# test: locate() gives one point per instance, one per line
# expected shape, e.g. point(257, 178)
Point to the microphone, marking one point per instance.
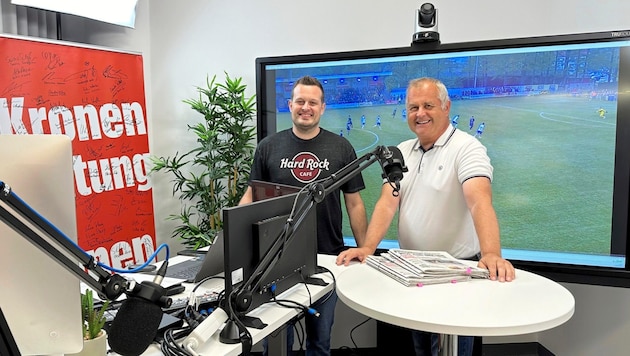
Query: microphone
point(393, 166)
point(138, 319)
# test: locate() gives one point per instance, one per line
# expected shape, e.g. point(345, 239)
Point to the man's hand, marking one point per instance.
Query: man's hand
point(359, 253)
point(500, 268)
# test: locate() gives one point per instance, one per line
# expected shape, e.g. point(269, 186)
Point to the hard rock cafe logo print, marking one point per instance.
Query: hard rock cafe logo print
point(305, 166)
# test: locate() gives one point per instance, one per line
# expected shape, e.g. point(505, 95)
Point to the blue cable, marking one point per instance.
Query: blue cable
point(139, 268)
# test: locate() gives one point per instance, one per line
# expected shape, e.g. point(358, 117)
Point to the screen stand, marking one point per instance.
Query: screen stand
point(252, 322)
point(230, 333)
point(315, 281)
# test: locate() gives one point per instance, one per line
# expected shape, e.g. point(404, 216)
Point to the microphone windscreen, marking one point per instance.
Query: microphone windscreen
point(134, 327)
point(395, 166)
point(396, 154)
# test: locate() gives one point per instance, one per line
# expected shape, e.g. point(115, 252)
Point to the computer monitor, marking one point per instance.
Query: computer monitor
point(262, 190)
point(248, 232)
point(40, 299)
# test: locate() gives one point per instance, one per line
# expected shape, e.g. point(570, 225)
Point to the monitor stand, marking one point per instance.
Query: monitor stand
point(315, 281)
point(230, 334)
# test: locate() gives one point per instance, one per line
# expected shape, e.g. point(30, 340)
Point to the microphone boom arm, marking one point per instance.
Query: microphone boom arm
point(315, 194)
point(127, 336)
point(58, 246)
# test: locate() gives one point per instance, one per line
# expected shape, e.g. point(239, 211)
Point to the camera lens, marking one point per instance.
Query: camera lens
point(427, 12)
point(427, 8)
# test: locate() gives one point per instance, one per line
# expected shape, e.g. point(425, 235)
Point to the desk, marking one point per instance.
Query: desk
point(275, 316)
point(531, 303)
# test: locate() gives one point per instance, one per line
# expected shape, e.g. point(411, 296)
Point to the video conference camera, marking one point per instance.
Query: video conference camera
point(426, 27)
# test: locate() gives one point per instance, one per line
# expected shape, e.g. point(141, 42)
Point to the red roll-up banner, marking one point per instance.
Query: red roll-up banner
point(96, 97)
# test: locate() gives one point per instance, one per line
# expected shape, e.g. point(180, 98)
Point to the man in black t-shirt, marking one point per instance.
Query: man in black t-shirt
point(301, 155)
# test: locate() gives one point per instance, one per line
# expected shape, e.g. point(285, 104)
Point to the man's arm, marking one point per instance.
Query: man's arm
point(357, 215)
point(382, 217)
point(478, 194)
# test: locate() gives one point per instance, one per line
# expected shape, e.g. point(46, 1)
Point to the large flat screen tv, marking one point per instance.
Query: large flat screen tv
point(556, 111)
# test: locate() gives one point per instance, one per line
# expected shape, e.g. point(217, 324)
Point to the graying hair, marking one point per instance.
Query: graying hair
point(442, 91)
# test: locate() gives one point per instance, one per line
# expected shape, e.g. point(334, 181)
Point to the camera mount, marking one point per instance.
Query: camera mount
point(426, 27)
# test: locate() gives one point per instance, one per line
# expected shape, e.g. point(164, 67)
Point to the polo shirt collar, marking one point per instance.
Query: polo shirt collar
point(441, 141)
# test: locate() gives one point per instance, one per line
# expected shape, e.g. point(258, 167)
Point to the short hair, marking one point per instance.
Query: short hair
point(308, 80)
point(442, 91)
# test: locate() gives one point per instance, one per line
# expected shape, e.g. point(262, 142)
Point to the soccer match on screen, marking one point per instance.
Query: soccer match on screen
point(547, 117)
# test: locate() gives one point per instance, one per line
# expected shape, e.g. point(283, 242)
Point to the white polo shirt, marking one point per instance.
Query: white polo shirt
point(433, 214)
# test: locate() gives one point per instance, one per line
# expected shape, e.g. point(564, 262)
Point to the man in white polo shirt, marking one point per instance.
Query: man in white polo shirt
point(445, 200)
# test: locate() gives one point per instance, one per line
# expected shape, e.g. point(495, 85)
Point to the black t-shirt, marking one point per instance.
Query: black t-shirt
point(286, 159)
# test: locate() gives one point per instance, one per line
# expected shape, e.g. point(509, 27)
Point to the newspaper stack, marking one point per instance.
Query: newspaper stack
point(417, 268)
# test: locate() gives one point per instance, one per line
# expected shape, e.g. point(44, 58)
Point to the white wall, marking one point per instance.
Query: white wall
point(183, 41)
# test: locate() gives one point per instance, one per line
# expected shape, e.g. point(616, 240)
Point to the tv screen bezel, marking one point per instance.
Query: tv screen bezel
point(583, 274)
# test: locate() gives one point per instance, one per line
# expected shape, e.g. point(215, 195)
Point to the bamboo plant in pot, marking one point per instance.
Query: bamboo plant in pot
point(214, 173)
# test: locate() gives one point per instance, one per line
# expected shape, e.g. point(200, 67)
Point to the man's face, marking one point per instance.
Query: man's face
point(425, 115)
point(306, 107)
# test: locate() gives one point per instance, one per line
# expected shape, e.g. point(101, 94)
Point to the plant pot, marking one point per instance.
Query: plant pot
point(94, 347)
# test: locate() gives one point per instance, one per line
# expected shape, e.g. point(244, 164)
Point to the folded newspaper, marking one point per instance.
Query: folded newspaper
point(417, 268)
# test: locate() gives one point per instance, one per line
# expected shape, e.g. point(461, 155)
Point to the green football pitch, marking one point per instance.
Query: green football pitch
point(553, 158)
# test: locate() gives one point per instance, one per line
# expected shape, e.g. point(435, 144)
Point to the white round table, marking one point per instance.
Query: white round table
point(530, 303)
